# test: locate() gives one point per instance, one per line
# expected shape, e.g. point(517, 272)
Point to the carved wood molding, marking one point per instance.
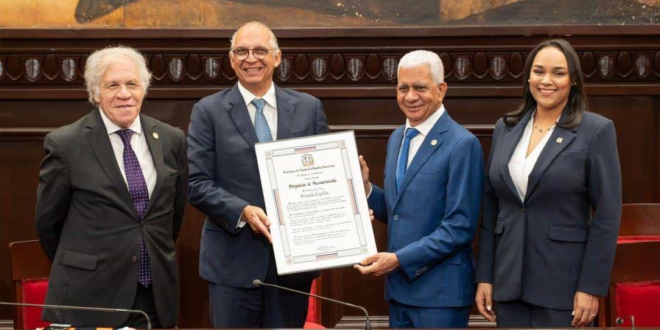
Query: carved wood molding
point(361, 131)
point(329, 68)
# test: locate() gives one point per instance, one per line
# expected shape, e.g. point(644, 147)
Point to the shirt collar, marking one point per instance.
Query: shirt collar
point(426, 126)
point(530, 123)
point(269, 97)
point(136, 126)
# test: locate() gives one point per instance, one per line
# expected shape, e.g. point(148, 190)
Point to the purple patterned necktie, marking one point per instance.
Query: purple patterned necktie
point(137, 187)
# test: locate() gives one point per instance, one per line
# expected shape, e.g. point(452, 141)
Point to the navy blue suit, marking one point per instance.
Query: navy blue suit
point(432, 221)
point(224, 179)
point(562, 238)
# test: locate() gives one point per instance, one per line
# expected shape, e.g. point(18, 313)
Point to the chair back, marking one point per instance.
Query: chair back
point(634, 286)
point(30, 269)
point(640, 222)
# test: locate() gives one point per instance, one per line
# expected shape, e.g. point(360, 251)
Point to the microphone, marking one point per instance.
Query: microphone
point(367, 325)
point(80, 308)
point(619, 320)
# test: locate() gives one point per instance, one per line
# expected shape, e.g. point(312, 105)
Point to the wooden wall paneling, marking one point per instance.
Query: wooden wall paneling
point(656, 147)
point(193, 291)
point(18, 181)
point(633, 120)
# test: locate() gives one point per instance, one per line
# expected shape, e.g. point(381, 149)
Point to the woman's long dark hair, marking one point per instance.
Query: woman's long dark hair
point(577, 99)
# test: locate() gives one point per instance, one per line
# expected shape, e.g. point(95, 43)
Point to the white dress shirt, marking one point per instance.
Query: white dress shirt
point(270, 110)
point(521, 165)
point(424, 128)
point(140, 147)
point(415, 143)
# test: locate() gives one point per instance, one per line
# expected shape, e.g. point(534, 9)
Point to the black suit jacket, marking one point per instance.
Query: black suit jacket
point(562, 238)
point(224, 178)
point(89, 228)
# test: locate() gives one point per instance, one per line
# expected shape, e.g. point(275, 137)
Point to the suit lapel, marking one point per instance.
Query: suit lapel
point(426, 150)
point(151, 131)
point(390, 163)
point(559, 140)
point(241, 117)
point(285, 110)
point(510, 141)
point(97, 135)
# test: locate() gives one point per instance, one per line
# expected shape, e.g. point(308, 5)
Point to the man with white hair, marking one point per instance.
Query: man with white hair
point(110, 202)
point(225, 186)
point(430, 201)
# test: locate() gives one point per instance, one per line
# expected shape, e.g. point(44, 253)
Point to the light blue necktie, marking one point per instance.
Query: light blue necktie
point(402, 162)
point(260, 123)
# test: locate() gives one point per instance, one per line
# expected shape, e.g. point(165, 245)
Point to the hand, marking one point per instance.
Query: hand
point(378, 264)
point(585, 308)
point(484, 301)
point(257, 219)
point(365, 175)
point(371, 215)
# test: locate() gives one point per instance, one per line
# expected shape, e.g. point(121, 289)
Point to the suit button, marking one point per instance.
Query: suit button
point(142, 224)
point(133, 259)
point(522, 210)
point(396, 217)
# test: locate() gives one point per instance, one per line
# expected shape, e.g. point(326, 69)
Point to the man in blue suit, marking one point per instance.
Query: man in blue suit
point(224, 184)
point(433, 184)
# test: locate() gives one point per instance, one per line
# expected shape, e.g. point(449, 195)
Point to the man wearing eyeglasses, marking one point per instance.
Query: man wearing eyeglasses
point(224, 184)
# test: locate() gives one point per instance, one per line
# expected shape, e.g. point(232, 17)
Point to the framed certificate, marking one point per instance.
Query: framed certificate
point(316, 202)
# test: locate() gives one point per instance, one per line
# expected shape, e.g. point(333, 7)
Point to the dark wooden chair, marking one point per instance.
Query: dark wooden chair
point(30, 269)
point(634, 286)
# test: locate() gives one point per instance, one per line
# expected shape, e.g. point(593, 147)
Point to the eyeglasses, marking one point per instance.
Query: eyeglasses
point(243, 53)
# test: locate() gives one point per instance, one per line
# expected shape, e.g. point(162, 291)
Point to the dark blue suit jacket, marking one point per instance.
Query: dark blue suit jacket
point(432, 222)
point(224, 178)
point(562, 238)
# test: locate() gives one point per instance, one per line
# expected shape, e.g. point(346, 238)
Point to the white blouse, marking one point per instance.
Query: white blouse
point(520, 166)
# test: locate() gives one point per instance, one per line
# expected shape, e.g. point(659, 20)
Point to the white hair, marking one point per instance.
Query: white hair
point(273, 40)
point(424, 57)
point(100, 60)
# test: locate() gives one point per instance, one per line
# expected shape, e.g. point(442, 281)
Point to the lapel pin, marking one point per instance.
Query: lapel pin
point(155, 135)
point(560, 140)
point(434, 142)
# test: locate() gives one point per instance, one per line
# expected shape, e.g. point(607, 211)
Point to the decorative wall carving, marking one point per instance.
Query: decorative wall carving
point(330, 68)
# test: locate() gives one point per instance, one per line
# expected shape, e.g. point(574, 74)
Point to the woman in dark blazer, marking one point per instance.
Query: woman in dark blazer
point(552, 202)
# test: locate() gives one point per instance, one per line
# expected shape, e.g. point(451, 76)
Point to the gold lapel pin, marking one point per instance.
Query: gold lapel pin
point(560, 140)
point(155, 135)
point(434, 142)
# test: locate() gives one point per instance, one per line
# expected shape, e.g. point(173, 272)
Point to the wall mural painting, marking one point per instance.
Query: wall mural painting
point(322, 13)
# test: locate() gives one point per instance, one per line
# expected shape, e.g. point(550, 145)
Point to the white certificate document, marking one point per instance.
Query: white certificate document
point(316, 202)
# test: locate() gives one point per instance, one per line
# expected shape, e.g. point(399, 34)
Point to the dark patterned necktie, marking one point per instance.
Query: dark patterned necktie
point(137, 187)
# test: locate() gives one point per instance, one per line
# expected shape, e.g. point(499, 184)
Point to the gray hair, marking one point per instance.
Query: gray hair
point(424, 57)
point(273, 40)
point(100, 60)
